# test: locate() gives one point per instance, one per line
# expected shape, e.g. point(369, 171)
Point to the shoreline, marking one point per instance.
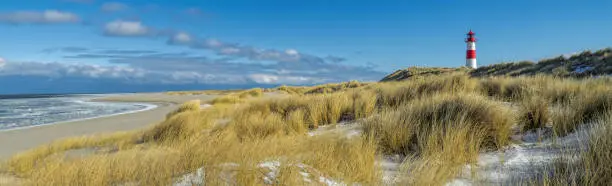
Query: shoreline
point(148, 106)
point(13, 141)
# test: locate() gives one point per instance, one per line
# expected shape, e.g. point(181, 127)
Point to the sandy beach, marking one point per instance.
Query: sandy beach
point(14, 141)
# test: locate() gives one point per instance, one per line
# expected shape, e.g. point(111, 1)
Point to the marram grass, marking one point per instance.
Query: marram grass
point(440, 123)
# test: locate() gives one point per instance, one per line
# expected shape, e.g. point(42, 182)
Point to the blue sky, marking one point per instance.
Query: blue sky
point(270, 42)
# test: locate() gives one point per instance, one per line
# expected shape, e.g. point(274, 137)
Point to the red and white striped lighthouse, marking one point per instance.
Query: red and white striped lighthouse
point(470, 60)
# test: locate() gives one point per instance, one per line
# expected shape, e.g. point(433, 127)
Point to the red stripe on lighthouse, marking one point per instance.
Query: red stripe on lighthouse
point(471, 54)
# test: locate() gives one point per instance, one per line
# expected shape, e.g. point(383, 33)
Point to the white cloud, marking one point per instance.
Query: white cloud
point(292, 52)
point(72, 70)
point(126, 28)
point(264, 78)
point(113, 7)
point(59, 17)
point(181, 38)
point(276, 79)
point(213, 43)
point(291, 66)
point(125, 74)
point(45, 17)
point(249, 52)
point(229, 51)
point(2, 62)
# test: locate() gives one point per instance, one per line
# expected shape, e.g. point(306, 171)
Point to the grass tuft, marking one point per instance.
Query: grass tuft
point(534, 113)
point(587, 107)
point(405, 130)
point(228, 99)
point(193, 105)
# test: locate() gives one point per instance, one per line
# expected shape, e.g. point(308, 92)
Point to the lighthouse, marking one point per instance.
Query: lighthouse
point(470, 60)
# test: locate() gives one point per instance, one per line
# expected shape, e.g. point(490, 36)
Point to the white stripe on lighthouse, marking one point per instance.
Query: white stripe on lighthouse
point(471, 63)
point(471, 45)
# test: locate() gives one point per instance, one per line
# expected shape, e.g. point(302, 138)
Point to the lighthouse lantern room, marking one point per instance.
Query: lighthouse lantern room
point(471, 50)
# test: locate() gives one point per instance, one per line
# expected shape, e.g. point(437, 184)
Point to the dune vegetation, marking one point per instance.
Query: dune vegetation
point(437, 124)
point(584, 64)
point(590, 166)
point(203, 92)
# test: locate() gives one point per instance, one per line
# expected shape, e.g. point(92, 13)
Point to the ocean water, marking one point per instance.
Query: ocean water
point(18, 112)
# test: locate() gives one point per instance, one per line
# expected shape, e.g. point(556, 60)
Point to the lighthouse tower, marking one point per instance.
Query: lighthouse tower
point(471, 51)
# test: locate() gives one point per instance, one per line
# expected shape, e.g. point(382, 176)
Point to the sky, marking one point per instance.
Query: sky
point(60, 46)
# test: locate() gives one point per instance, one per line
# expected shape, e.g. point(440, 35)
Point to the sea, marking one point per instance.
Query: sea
point(23, 111)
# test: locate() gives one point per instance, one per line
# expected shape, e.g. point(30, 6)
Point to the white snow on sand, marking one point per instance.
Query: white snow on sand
point(521, 161)
point(349, 130)
point(391, 168)
point(270, 176)
point(205, 106)
point(191, 179)
point(582, 69)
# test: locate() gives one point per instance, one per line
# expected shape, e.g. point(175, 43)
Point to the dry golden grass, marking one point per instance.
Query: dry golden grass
point(443, 154)
point(442, 133)
point(364, 103)
point(179, 127)
point(257, 126)
point(321, 89)
point(193, 105)
point(592, 166)
point(238, 97)
point(314, 110)
point(422, 118)
point(217, 154)
point(598, 158)
point(534, 113)
point(585, 108)
point(144, 167)
point(256, 92)
point(25, 163)
point(351, 159)
point(508, 89)
point(440, 123)
point(203, 92)
point(292, 90)
point(396, 93)
point(561, 91)
point(228, 99)
point(334, 87)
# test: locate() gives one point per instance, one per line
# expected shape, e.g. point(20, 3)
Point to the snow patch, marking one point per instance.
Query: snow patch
point(196, 178)
point(459, 182)
point(521, 161)
point(270, 175)
point(349, 130)
point(329, 182)
point(307, 171)
point(391, 168)
point(582, 69)
point(536, 135)
point(205, 106)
